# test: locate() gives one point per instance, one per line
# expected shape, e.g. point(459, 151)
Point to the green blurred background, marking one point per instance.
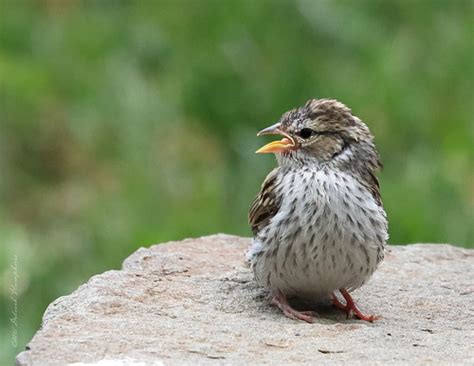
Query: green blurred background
point(128, 123)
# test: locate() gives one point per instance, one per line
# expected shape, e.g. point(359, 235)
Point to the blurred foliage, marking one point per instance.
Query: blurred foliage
point(127, 123)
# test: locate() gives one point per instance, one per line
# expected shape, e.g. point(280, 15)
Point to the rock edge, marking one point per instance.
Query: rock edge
point(194, 302)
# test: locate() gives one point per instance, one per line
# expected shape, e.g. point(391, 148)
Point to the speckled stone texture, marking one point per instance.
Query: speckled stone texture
point(195, 302)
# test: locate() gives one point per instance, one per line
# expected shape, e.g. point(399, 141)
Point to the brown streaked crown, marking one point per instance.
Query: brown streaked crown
point(326, 132)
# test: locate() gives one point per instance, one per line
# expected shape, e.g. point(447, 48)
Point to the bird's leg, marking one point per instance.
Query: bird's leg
point(337, 303)
point(281, 302)
point(350, 307)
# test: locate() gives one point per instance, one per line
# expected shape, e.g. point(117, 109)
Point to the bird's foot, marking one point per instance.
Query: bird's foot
point(280, 301)
point(350, 308)
point(338, 304)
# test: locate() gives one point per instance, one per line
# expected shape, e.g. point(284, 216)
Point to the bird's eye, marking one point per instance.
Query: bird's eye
point(306, 132)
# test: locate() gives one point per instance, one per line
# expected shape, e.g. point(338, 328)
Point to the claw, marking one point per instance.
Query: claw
point(350, 308)
point(280, 301)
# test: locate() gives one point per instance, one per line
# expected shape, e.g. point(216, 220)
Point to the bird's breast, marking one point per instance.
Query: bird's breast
point(329, 229)
point(333, 204)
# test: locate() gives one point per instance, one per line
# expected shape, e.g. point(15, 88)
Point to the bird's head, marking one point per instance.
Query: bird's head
point(318, 132)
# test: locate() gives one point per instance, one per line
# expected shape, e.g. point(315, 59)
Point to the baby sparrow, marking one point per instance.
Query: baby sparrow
point(318, 222)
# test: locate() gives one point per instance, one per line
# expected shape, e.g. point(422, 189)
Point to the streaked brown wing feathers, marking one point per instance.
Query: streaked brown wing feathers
point(375, 188)
point(266, 204)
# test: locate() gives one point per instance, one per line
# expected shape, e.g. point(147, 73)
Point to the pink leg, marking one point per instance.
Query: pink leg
point(281, 302)
point(337, 303)
point(350, 307)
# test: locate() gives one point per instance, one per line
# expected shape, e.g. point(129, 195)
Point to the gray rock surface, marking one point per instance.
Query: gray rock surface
point(194, 302)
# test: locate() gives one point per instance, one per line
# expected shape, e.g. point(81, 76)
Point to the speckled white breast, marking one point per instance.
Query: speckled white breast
point(328, 234)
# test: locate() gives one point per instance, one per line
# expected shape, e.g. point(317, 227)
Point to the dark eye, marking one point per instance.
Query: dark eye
point(306, 132)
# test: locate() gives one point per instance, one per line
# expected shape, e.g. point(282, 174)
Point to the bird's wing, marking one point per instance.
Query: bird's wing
point(266, 204)
point(374, 188)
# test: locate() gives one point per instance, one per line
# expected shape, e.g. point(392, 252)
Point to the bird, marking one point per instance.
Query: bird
point(318, 222)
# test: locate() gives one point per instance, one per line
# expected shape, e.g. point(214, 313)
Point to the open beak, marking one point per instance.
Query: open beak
point(286, 143)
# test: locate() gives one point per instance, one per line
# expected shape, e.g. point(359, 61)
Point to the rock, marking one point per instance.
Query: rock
point(194, 302)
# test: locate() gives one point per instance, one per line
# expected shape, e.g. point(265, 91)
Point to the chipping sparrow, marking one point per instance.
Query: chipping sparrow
point(318, 221)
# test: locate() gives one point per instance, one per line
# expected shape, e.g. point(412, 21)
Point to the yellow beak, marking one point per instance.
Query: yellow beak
point(286, 143)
